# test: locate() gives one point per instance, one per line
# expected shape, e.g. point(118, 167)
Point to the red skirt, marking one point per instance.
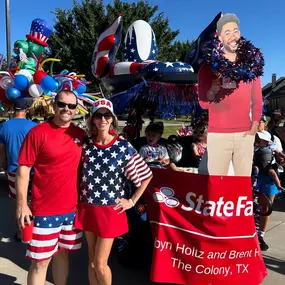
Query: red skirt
point(103, 221)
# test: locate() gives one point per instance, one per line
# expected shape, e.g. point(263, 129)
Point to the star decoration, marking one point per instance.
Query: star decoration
point(88, 152)
point(91, 159)
point(112, 194)
point(111, 181)
point(105, 160)
point(120, 162)
point(90, 200)
point(97, 166)
point(84, 178)
point(90, 186)
point(90, 172)
point(104, 187)
point(97, 194)
point(104, 174)
point(114, 154)
point(97, 180)
point(100, 153)
point(104, 201)
point(112, 168)
point(117, 187)
point(169, 64)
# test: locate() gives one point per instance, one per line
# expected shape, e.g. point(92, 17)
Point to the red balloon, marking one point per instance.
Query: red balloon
point(38, 76)
point(3, 97)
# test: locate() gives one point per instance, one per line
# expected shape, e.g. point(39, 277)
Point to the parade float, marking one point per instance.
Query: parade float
point(202, 225)
point(29, 77)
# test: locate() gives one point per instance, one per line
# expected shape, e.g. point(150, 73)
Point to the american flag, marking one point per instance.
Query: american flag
point(106, 169)
point(106, 49)
point(40, 30)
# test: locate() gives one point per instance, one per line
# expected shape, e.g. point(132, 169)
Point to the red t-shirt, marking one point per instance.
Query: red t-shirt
point(235, 112)
point(55, 154)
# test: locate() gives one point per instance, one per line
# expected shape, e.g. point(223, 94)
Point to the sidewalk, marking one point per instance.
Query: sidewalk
point(14, 266)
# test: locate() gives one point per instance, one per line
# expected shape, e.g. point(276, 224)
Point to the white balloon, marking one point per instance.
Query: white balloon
point(35, 90)
point(26, 73)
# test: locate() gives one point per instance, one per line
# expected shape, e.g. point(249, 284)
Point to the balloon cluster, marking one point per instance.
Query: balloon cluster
point(23, 84)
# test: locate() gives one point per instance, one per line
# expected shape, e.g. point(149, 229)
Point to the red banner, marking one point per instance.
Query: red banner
point(204, 231)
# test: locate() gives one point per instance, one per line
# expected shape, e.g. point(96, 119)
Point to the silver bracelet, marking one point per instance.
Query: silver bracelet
point(132, 202)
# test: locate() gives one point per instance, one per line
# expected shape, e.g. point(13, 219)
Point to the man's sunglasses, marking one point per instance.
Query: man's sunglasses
point(60, 104)
point(107, 116)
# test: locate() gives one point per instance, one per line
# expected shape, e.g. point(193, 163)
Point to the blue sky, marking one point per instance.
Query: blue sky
point(262, 21)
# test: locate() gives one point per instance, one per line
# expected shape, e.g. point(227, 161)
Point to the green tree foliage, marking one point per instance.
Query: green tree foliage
point(77, 31)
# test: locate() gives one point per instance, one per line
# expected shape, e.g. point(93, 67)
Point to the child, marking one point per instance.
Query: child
point(268, 181)
point(200, 141)
point(154, 153)
point(263, 157)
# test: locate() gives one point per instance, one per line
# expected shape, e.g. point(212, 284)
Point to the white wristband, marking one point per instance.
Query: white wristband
point(132, 202)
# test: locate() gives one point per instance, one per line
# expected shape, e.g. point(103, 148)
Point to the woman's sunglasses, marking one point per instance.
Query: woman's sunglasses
point(60, 104)
point(107, 116)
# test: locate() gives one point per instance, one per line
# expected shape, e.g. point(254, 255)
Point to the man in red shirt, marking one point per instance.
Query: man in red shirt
point(234, 120)
point(53, 149)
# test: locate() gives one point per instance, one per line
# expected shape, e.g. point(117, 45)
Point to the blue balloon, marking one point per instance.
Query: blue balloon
point(24, 94)
point(21, 82)
point(12, 93)
point(48, 83)
point(81, 89)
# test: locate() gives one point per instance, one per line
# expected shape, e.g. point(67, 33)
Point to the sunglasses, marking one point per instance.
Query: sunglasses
point(60, 104)
point(107, 116)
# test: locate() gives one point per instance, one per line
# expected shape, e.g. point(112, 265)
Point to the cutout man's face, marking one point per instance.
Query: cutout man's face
point(230, 36)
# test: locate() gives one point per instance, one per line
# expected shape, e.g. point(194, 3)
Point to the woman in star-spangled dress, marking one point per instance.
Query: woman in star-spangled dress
point(108, 162)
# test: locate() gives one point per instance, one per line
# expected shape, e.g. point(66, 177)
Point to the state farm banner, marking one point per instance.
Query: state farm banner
point(203, 229)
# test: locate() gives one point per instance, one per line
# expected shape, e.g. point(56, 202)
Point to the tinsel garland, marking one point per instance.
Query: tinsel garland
point(170, 100)
point(248, 66)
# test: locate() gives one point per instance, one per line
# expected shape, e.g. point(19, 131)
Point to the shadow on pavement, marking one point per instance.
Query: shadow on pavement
point(7, 280)
point(274, 264)
point(279, 203)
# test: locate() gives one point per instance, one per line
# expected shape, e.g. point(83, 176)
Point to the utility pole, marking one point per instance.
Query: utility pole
point(8, 36)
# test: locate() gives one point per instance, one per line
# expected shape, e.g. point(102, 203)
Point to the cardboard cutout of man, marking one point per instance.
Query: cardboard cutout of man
point(233, 120)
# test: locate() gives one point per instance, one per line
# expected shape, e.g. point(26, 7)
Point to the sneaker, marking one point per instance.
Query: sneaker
point(263, 245)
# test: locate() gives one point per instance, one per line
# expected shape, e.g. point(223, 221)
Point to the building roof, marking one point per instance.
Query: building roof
point(279, 90)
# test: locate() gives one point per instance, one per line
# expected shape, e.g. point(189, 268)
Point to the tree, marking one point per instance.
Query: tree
point(77, 31)
point(178, 51)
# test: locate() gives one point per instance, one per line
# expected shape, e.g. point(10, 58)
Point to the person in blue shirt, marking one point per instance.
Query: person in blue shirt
point(12, 134)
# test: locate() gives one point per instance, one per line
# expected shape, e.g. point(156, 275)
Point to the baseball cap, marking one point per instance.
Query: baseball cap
point(102, 103)
point(264, 135)
point(21, 104)
point(226, 18)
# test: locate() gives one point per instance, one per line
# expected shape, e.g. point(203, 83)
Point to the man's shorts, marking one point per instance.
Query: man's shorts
point(11, 181)
point(51, 234)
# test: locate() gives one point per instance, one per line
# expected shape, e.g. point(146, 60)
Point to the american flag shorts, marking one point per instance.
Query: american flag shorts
point(51, 234)
point(11, 181)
